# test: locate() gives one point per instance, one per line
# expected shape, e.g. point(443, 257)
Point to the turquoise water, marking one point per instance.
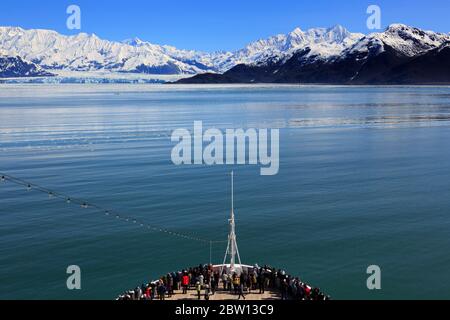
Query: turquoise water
point(364, 179)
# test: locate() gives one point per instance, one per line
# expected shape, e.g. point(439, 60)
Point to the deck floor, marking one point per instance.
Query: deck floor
point(225, 295)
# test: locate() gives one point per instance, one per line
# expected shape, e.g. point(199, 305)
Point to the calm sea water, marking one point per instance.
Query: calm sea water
point(364, 179)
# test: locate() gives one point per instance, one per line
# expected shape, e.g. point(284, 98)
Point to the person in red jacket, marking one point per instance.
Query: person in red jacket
point(307, 291)
point(148, 292)
point(185, 283)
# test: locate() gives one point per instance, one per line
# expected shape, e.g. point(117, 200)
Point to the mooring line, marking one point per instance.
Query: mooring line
point(107, 212)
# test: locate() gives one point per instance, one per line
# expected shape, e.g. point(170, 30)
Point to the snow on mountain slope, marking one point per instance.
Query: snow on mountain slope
point(407, 41)
point(400, 54)
point(322, 42)
point(202, 60)
point(84, 52)
point(87, 53)
point(412, 41)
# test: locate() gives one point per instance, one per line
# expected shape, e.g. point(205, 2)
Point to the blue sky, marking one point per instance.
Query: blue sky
point(217, 25)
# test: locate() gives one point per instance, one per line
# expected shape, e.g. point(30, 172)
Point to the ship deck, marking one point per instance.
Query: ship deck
point(225, 295)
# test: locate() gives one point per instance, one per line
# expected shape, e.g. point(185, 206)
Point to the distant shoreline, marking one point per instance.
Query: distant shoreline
point(84, 82)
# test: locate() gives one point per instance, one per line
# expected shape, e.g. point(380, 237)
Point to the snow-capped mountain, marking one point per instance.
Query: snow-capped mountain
point(375, 58)
point(325, 55)
point(83, 52)
point(322, 42)
point(407, 41)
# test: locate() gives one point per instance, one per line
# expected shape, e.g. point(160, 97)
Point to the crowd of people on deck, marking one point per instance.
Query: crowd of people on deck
point(206, 281)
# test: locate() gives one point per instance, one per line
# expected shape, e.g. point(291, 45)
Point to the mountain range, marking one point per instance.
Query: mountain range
point(400, 54)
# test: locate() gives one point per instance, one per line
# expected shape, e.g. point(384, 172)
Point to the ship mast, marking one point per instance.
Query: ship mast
point(232, 248)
